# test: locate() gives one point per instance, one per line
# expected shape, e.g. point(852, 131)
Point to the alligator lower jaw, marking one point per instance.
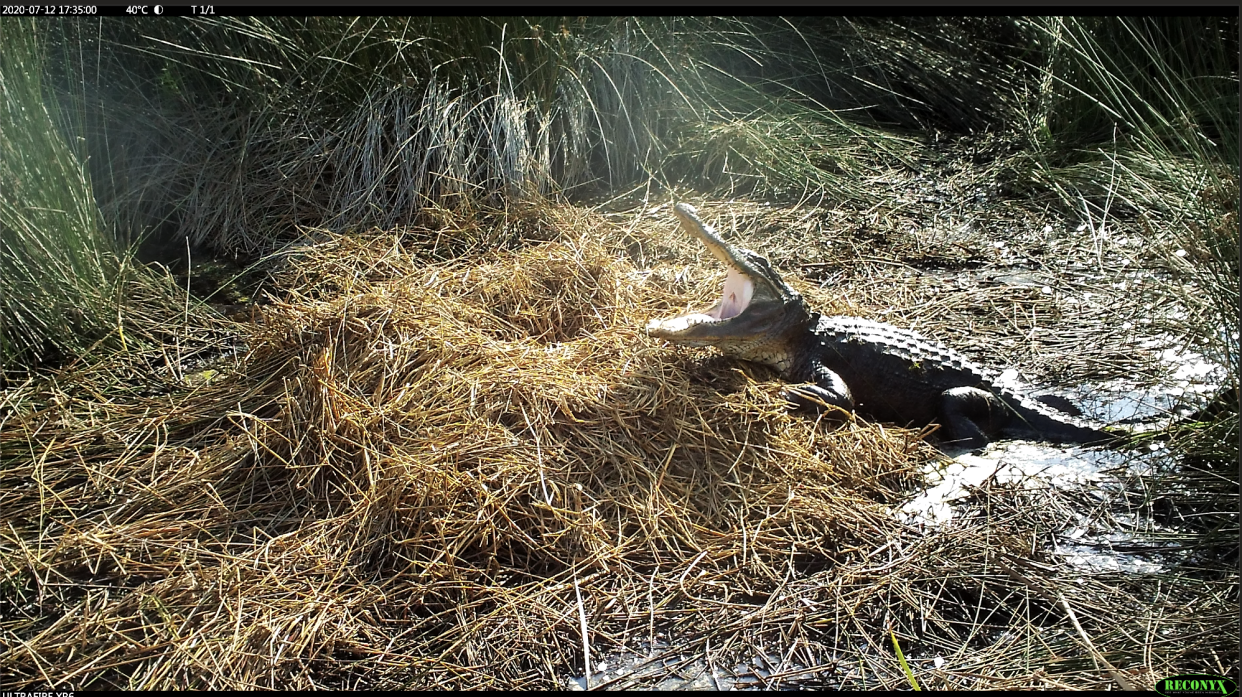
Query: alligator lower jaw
point(673, 326)
point(678, 328)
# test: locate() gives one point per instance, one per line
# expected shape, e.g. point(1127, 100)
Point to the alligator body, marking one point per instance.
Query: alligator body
point(882, 371)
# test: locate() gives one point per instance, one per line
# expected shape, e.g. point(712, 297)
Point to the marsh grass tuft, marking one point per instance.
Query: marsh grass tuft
point(1157, 100)
point(268, 124)
point(60, 274)
point(69, 292)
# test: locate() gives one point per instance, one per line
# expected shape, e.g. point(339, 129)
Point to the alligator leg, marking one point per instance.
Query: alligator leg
point(828, 390)
point(971, 415)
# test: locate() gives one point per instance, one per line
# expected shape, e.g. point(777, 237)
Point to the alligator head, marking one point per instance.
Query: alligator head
point(758, 315)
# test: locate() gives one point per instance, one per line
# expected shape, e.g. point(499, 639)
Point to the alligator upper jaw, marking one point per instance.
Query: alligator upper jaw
point(736, 259)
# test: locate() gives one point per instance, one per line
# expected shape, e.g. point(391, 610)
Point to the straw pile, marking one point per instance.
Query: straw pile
point(480, 473)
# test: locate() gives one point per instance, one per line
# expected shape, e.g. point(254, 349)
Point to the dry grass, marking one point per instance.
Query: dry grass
point(462, 473)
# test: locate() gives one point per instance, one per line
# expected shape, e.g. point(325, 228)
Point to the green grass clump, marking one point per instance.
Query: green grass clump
point(1141, 120)
point(252, 127)
point(60, 272)
point(69, 291)
point(1144, 112)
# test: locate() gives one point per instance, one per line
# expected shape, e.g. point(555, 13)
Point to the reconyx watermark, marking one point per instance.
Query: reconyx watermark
point(1198, 684)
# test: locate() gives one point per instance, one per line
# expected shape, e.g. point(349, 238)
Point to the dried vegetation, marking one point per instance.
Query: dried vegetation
point(479, 472)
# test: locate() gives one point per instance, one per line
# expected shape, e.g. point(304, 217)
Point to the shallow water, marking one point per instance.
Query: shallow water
point(665, 668)
point(1089, 547)
point(1191, 381)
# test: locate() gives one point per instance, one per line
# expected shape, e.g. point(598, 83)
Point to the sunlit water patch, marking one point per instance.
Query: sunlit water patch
point(1005, 462)
point(677, 666)
point(1121, 544)
point(1190, 384)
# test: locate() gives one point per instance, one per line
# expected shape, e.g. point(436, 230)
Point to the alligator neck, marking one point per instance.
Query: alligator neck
point(794, 352)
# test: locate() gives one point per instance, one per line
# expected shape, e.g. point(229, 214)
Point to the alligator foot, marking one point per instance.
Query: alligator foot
point(970, 416)
point(816, 398)
point(1061, 404)
point(827, 392)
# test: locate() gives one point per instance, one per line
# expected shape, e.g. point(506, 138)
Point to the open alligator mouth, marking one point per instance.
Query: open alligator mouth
point(739, 287)
point(750, 301)
point(735, 298)
point(738, 290)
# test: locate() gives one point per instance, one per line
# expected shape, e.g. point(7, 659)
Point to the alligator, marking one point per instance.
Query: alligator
point(883, 372)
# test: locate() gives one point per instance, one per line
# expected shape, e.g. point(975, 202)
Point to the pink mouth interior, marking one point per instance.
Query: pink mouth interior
point(738, 290)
